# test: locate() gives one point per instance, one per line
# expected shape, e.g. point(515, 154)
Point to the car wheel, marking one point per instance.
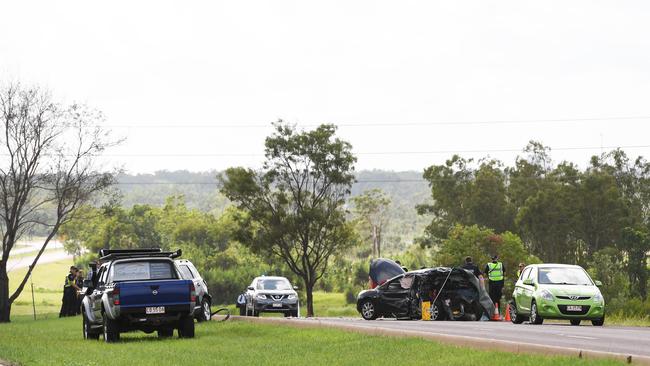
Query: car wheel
point(436, 313)
point(111, 329)
point(575, 321)
point(515, 317)
point(88, 332)
point(186, 327)
point(205, 314)
point(294, 313)
point(165, 332)
point(598, 322)
point(368, 310)
point(534, 315)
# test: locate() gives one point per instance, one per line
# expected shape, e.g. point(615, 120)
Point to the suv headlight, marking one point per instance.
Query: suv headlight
point(599, 298)
point(547, 295)
point(261, 297)
point(292, 297)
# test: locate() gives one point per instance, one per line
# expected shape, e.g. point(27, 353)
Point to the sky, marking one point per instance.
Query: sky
point(196, 84)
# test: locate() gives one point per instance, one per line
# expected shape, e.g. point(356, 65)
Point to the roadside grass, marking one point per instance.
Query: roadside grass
point(48, 289)
point(59, 342)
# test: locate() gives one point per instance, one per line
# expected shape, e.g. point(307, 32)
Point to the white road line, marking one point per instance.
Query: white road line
point(575, 336)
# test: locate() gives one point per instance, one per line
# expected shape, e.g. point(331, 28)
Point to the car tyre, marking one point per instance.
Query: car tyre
point(111, 329)
point(88, 331)
point(206, 313)
point(186, 327)
point(165, 332)
point(575, 322)
point(598, 322)
point(515, 317)
point(534, 314)
point(437, 312)
point(368, 310)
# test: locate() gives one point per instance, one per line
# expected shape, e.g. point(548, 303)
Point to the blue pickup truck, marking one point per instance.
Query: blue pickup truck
point(137, 290)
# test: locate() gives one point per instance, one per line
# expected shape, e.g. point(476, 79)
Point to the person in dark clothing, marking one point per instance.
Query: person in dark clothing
point(496, 273)
point(69, 299)
point(470, 266)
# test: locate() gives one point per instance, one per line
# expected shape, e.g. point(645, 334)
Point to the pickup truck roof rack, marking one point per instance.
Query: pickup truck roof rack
point(112, 254)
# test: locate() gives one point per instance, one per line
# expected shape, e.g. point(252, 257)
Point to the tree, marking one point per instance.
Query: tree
point(47, 164)
point(294, 205)
point(636, 244)
point(371, 207)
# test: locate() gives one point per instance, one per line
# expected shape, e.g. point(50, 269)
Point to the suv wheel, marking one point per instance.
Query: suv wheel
point(368, 310)
point(89, 333)
point(598, 322)
point(515, 317)
point(186, 327)
point(111, 329)
point(534, 315)
point(205, 314)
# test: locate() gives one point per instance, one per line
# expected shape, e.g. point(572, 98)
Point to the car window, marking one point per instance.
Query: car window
point(406, 282)
point(186, 272)
point(525, 273)
point(395, 285)
point(273, 284)
point(564, 276)
point(142, 270)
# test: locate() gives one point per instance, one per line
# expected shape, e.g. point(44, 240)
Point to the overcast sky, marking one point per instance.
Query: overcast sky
point(169, 74)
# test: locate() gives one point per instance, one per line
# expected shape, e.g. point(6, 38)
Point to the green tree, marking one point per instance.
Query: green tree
point(371, 209)
point(294, 205)
point(636, 244)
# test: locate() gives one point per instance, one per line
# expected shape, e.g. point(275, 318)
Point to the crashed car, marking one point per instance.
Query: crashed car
point(455, 294)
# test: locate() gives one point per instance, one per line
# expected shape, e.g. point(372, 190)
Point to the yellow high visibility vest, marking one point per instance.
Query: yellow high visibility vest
point(495, 271)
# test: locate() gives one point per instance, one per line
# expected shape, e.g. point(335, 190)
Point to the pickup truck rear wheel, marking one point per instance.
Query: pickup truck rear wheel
point(186, 327)
point(165, 332)
point(111, 329)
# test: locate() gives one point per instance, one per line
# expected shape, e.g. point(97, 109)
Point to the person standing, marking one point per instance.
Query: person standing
point(79, 282)
point(521, 268)
point(69, 294)
point(470, 266)
point(496, 273)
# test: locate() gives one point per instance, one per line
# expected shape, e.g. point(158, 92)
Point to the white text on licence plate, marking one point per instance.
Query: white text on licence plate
point(277, 305)
point(573, 308)
point(155, 310)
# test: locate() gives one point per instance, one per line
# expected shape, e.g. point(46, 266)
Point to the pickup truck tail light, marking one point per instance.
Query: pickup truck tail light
point(116, 295)
point(192, 292)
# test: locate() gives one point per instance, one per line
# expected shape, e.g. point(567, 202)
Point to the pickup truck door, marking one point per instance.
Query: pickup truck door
point(95, 298)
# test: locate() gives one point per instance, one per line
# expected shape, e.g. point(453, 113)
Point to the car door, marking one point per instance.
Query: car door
point(394, 299)
point(95, 298)
point(527, 289)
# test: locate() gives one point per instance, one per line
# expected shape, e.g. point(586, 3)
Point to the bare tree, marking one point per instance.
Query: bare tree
point(371, 209)
point(47, 155)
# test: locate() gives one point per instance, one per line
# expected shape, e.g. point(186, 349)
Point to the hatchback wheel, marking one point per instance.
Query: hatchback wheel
point(368, 310)
point(598, 322)
point(534, 315)
point(515, 317)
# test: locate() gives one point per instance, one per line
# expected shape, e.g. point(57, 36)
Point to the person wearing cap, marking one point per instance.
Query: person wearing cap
point(69, 298)
point(496, 273)
point(470, 266)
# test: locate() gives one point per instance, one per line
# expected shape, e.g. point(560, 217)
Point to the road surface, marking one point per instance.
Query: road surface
point(627, 341)
point(53, 253)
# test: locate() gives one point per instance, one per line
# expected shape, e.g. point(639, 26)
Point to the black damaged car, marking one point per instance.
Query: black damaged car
point(454, 292)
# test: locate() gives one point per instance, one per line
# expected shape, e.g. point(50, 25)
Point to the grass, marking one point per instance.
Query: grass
point(58, 342)
point(48, 289)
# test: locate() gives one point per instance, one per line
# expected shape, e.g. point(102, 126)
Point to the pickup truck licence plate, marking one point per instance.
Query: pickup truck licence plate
point(574, 308)
point(277, 305)
point(155, 310)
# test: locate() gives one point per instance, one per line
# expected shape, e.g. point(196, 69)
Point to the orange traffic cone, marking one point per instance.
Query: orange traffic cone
point(507, 319)
point(496, 315)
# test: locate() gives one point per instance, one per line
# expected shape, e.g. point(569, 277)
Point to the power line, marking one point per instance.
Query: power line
point(247, 125)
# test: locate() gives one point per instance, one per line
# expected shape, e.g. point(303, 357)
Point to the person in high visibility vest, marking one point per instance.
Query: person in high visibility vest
point(496, 273)
point(69, 299)
point(521, 268)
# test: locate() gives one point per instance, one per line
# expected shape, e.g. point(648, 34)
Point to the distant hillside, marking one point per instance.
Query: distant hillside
point(406, 190)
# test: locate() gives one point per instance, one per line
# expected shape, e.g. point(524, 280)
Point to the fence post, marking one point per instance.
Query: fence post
point(33, 303)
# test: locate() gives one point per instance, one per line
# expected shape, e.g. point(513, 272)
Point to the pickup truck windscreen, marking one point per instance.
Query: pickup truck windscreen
point(143, 270)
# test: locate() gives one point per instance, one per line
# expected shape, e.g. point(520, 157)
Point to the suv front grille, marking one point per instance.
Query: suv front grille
point(574, 298)
point(277, 297)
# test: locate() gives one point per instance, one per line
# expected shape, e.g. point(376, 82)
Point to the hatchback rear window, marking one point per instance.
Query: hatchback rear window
point(143, 270)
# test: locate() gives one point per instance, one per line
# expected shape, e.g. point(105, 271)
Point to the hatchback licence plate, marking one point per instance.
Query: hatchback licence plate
point(155, 310)
point(574, 308)
point(277, 305)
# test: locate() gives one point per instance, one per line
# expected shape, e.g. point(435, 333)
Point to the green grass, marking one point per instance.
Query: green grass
point(58, 342)
point(48, 289)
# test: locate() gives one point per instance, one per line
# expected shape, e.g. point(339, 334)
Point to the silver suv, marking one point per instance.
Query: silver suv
point(269, 294)
point(203, 298)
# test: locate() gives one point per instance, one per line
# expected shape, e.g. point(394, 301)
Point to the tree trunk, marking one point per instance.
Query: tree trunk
point(5, 305)
point(309, 289)
point(375, 247)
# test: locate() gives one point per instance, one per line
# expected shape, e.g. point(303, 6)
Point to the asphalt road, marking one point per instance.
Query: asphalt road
point(633, 341)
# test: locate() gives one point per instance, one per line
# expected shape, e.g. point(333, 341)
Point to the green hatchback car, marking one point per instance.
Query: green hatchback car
point(556, 291)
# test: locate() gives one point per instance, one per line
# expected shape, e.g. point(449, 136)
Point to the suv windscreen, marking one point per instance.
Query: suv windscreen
point(273, 284)
point(143, 270)
point(563, 276)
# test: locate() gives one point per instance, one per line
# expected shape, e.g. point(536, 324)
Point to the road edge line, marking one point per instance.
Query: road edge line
point(463, 341)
